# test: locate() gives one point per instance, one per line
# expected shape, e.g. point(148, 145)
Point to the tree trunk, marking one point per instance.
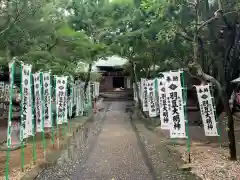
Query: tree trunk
point(197, 69)
point(224, 98)
point(136, 87)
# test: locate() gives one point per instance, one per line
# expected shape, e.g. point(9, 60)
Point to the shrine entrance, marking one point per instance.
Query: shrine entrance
point(118, 82)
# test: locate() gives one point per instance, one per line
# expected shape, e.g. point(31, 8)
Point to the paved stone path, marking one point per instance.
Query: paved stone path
point(115, 154)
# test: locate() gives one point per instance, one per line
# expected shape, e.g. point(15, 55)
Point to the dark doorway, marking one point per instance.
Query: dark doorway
point(118, 82)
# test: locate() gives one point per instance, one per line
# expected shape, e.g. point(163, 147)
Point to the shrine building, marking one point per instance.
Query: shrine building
point(113, 76)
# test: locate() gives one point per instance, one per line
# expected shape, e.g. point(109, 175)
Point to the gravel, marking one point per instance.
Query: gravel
point(165, 162)
point(212, 163)
point(74, 155)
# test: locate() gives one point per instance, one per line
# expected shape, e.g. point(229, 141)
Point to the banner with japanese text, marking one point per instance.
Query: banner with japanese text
point(144, 94)
point(26, 102)
point(38, 102)
point(2, 88)
point(77, 96)
point(74, 88)
point(6, 94)
point(207, 110)
point(70, 102)
point(81, 98)
point(47, 99)
point(65, 103)
point(163, 106)
point(175, 103)
point(151, 98)
point(61, 83)
point(11, 83)
point(156, 95)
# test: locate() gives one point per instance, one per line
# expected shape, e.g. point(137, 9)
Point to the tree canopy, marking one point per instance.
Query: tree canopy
point(156, 35)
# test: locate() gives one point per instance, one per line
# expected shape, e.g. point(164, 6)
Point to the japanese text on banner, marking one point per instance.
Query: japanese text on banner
point(151, 99)
point(207, 110)
point(61, 83)
point(144, 96)
point(47, 100)
point(38, 101)
point(163, 106)
point(26, 122)
point(174, 97)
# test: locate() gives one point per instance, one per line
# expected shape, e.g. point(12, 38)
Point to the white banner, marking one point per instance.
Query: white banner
point(98, 89)
point(26, 102)
point(163, 106)
point(82, 104)
point(175, 102)
point(77, 95)
point(6, 94)
point(11, 83)
point(151, 99)
point(144, 94)
point(2, 94)
point(47, 100)
point(38, 102)
point(156, 94)
point(65, 104)
point(74, 88)
point(7, 91)
point(61, 83)
point(207, 110)
point(70, 102)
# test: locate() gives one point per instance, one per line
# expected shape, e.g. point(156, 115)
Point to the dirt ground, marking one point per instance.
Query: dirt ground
point(15, 157)
point(209, 155)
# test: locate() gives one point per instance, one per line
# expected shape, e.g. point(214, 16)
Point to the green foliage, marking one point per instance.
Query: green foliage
point(38, 33)
point(151, 33)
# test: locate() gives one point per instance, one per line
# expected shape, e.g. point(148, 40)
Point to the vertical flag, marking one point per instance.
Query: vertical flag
point(77, 95)
point(38, 101)
point(60, 95)
point(151, 99)
point(144, 94)
point(207, 110)
point(26, 102)
point(11, 83)
point(163, 107)
point(2, 94)
point(47, 99)
point(65, 103)
point(174, 97)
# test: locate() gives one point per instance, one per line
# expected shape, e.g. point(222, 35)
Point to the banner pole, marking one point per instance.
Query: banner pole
point(215, 114)
point(21, 127)
point(33, 120)
point(43, 116)
point(186, 116)
point(11, 81)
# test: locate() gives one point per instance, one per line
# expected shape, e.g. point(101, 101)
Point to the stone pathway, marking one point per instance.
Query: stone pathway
point(109, 148)
point(116, 154)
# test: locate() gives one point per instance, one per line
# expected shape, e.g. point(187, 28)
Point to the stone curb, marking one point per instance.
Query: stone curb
point(52, 157)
